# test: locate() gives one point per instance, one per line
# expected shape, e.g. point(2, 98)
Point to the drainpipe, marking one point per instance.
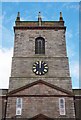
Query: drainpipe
point(75, 107)
point(5, 108)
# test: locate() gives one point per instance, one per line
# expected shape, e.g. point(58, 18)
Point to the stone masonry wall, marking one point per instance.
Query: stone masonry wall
point(22, 67)
point(58, 74)
point(25, 42)
point(40, 105)
point(63, 82)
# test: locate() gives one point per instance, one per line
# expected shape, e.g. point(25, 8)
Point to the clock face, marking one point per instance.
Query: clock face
point(40, 68)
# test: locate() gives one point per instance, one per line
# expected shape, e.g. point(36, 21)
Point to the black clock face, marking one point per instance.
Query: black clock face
point(40, 68)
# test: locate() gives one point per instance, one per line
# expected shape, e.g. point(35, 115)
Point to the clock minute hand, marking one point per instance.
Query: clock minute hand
point(39, 64)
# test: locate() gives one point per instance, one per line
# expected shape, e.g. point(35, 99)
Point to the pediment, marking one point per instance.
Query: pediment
point(38, 88)
point(41, 117)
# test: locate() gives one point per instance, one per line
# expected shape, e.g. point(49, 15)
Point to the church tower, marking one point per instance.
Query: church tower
point(40, 83)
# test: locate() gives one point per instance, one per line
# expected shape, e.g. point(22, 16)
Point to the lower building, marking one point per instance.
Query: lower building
point(3, 102)
point(3, 105)
point(77, 99)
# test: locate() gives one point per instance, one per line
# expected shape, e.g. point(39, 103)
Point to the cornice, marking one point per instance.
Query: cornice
point(56, 28)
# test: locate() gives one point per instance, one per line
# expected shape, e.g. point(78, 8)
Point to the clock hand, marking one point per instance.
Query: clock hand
point(39, 64)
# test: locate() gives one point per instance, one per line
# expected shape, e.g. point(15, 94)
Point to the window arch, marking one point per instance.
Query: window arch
point(39, 45)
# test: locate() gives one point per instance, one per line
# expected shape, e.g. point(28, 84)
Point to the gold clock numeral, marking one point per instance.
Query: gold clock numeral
point(45, 64)
point(34, 70)
point(37, 72)
point(46, 67)
point(42, 62)
point(34, 67)
point(37, 62)
point(40, 73)
point(45, 70)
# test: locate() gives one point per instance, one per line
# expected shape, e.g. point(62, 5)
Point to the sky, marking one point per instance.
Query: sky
point(29, 11)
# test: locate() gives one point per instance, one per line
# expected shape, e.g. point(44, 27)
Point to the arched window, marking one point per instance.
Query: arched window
point(62, 106)
point(40, 45)
point(18, 106)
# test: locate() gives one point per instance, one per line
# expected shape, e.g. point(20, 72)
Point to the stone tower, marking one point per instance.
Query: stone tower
point(40, 83)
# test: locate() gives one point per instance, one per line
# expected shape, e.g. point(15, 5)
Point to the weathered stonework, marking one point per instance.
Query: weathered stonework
point(55, 45)
point(20, 65)
point(36, 105)
point(48, 106)
point(60, 81)
point(58, 73)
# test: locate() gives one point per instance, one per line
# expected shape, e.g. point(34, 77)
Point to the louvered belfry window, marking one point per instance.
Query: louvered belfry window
point(39, 45)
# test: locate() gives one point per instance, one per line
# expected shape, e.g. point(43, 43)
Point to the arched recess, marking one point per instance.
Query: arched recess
point(39, 45)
